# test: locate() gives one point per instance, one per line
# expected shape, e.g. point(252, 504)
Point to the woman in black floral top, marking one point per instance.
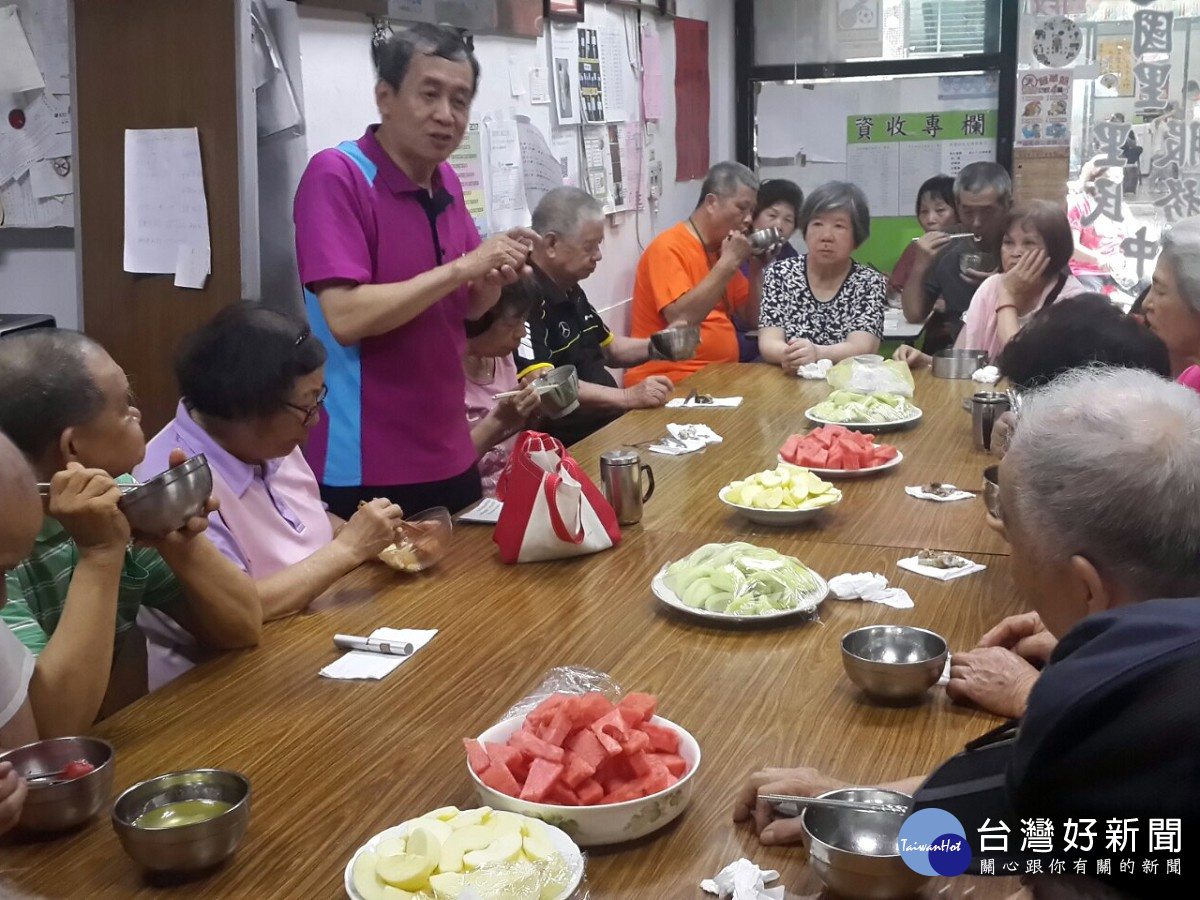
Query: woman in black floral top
point(824, 305)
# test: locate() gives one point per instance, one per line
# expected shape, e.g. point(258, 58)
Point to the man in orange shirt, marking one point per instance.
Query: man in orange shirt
point(689, 275)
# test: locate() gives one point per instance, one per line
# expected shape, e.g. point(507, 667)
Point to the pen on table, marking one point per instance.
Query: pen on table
point(389, 648)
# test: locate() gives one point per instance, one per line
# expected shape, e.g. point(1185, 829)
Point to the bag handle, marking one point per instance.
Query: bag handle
point(550, 485)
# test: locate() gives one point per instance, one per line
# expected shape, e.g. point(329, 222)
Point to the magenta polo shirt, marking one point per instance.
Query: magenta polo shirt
point(394, 411)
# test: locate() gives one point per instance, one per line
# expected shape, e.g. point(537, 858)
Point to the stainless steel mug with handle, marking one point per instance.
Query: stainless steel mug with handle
point(621, 474)
point(986, 408)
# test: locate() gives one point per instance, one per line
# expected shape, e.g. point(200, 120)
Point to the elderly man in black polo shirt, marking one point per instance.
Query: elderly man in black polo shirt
point(564, 328)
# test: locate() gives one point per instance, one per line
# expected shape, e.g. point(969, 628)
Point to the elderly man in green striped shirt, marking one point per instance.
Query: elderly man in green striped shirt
point(75, 601)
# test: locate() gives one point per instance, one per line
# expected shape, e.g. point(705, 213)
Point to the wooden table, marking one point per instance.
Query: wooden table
point(334, 762)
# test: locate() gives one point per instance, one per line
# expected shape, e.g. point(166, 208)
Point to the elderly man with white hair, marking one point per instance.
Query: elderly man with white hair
point(565, 329)
point(1098, 497)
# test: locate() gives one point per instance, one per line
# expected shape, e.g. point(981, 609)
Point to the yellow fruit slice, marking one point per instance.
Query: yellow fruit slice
point(771, 498)
point(471, 817)
point(365, 879)
point(505, 848)
point(406, 871)
point(538, 847)
point(447, 885)
point(475, 837)
point(423, 842)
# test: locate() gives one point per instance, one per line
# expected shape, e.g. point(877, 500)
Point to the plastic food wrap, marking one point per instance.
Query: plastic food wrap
point(524, 880)
point(741, 579)
point(565, 680)
point(871, 375)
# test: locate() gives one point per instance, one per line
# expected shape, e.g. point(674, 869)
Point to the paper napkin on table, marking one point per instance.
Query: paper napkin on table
point(363, 664)
point(816, 370)
point(918, 491)
point(743, 880)
point(485, 512)
point(986, 375)
point(690, 439)
point(910, 563)
point(726, 402)
point(870, 586)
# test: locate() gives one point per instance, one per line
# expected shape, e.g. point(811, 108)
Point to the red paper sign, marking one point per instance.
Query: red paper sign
point(691, 99)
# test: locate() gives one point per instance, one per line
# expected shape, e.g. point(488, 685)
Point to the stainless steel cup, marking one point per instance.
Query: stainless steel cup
point(621, 480)
point(986, 408)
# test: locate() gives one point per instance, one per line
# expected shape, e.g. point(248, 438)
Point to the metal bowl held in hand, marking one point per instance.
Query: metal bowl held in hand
point(958, 363)
point(677, 343)
point(194, 845)
point(54, 804)
point(166, 502)
point(765, 240)
point(857, 854)
point(894, 663)
point(558, 391)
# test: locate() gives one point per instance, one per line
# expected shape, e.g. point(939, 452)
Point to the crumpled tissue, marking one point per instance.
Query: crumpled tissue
point(815, 371)
point(743, 880)
point(918, 491)
point(690, 438)
point(986, 375)
point(869, 586)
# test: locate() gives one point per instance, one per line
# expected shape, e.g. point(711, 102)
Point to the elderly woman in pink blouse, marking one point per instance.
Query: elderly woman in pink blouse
point(253, 383)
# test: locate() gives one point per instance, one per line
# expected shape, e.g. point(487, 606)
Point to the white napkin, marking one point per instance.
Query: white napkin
point(910, 563)
point(363, 664)
point(918, 491)
point(485, 512)
point(726, 402)
point(692, 438)
point(816, 371)
point(743, 880)
point(870, 586)
point(986, 375)
point(943, 681)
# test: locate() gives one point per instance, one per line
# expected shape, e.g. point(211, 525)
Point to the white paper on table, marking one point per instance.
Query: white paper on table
point(485, 512)
point(507, 207)
point(871, 587)
point(720, 402)
point(366, 665)
point(910, 564)
point(918, 491)
point(192, 266)
point(46, 182)
point(539, 85)
point(18, 69)
point(165, 206)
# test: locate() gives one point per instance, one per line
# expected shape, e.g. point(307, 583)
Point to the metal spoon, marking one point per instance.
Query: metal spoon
point(124, 486)
point(789, 805)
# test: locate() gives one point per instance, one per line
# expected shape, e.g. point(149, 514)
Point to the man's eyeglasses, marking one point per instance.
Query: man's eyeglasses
point(310, 412)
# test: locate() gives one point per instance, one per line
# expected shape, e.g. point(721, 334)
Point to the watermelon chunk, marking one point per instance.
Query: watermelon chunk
point(589, 707)
point(589, 792)
point(587, 746)
point(498, 778)
point(477, 756)
point(562, 795)
point(625, 791)
point(504, 755)
point(545, 710)
point(531, 744)
point(662, 738)
point(642, 705)
point(542, 776)
point(640, 763)
point(637, 742)
point(674, 763)
point(576, 770)
point(556, 730)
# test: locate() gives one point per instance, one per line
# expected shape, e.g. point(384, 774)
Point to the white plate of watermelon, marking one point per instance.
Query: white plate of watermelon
point(835, 451)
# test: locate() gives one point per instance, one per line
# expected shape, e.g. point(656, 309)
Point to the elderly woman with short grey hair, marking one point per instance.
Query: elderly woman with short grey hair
point(1172, 306)
point(823, 304)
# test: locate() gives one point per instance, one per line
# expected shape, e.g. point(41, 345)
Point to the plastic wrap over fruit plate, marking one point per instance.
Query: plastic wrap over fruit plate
point(871, 375)
point(742, 580)
point(565, 680)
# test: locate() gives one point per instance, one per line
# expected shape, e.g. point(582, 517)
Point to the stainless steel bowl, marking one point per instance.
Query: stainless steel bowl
point(166, 502)
point(558, 391)
point(676, 343)
point(991, 490)
point(958, 363)
point(60, 805)
point(894, 663)
point(184, 848)
point(856, 854)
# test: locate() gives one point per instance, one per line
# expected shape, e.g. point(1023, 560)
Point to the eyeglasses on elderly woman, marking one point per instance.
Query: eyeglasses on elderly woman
point(310, 412)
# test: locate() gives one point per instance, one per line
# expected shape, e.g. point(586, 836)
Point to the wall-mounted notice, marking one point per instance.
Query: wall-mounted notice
point(467, 162)
point(591, 82)
point(1044, 109)
point(888, 156)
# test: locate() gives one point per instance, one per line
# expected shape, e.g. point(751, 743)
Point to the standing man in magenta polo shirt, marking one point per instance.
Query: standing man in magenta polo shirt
point(392, 265)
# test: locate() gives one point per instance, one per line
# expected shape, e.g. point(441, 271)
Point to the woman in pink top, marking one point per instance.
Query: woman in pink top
point(252, 382)
point(491, 369)
point(1033, 257)
point(1098, 243)
point(1172, 306)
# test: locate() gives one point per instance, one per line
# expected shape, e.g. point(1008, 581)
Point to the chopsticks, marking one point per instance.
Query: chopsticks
point(785, 803)
point(124, 486)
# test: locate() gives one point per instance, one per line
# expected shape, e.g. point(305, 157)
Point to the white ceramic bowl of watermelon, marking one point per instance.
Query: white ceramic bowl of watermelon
point(603, 823)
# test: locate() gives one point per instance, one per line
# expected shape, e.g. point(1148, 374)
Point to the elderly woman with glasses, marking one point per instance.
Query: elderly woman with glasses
point(252, 383)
